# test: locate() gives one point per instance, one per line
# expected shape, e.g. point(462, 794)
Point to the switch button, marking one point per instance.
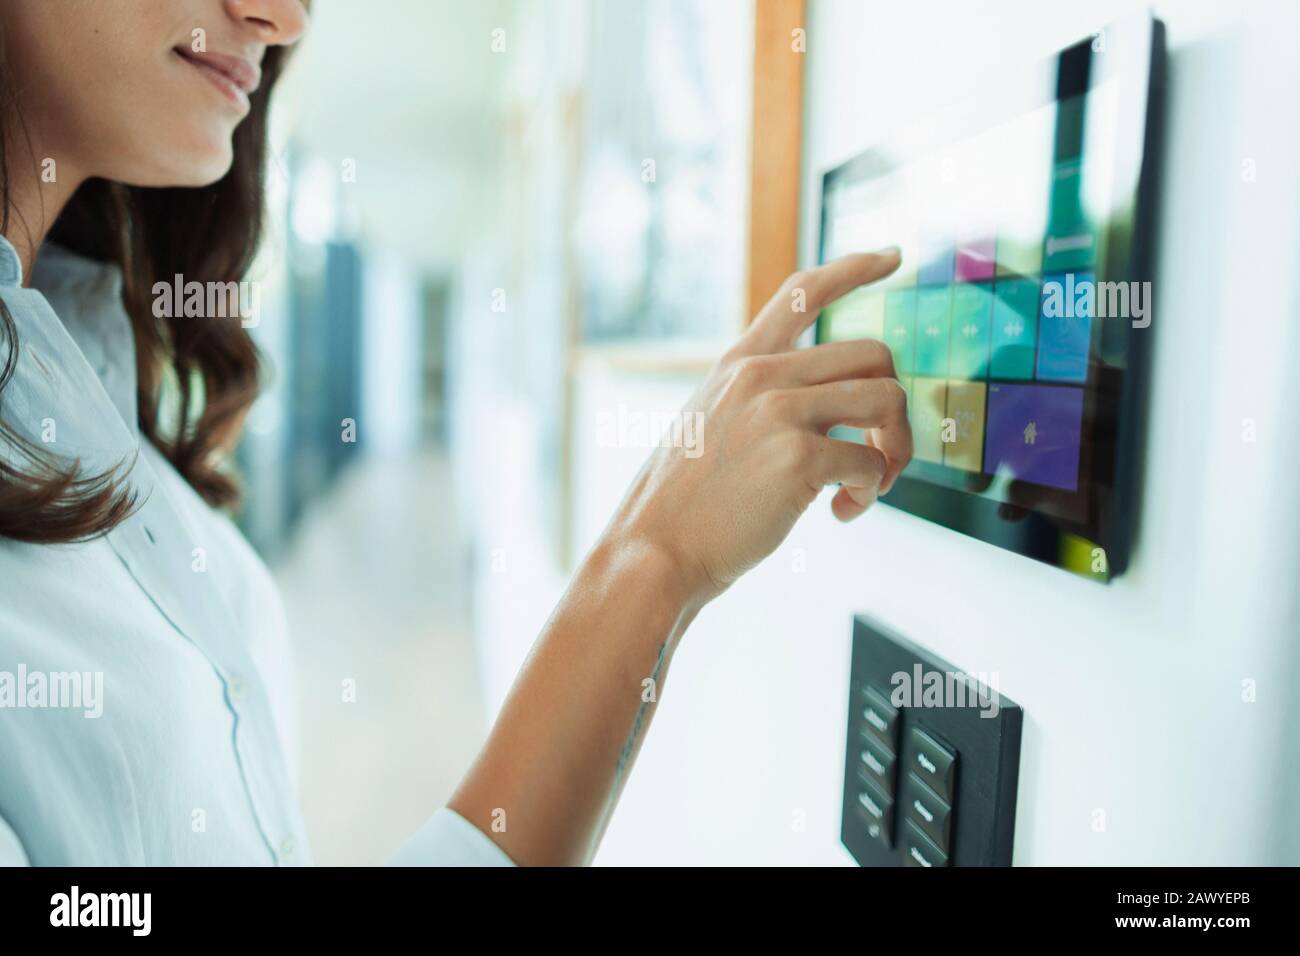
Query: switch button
point(924, 808)
point(879, 717)
point(934, 763)
point(877, 812)
point(918, 850)
point(876, 764)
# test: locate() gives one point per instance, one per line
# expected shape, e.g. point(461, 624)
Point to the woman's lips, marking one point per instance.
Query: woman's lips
point(236, 78)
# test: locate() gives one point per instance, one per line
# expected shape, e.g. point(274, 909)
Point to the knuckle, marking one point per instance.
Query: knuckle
point(794, 451)
point(881, 355)
point(895, 394)
point(749, 374)
point(858, 393)
point(776, 405)
point(862, 392)
point(735, 353)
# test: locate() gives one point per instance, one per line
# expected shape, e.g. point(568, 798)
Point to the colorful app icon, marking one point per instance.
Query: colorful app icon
point(858, 315)
point(937, 262)
point(900, 328)
point(1019, 257)
point(972, 313)
point(1034, 433)
point(1065, 327)
point(963, 434)
point(1015, 328)
point(928, 408)
point(976, 260)
point(933, 321)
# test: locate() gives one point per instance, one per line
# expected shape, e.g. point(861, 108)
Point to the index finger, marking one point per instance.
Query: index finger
point(784, 318)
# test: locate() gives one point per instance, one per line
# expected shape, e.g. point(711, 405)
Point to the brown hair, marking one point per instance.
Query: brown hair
point(211, 367)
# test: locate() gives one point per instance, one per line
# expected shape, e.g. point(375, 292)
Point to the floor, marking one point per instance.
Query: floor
point(378, 602)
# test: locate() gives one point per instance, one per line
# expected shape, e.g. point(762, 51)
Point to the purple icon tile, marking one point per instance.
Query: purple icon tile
point(1033, 433)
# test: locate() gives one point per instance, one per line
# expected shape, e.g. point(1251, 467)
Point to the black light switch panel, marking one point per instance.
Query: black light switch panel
point(931, 759)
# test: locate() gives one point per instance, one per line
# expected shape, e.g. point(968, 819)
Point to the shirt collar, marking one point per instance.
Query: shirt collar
point(86, 295)
point(11, 267)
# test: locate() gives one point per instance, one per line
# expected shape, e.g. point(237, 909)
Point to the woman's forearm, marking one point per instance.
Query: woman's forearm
point(694, 520)
point(558, 756)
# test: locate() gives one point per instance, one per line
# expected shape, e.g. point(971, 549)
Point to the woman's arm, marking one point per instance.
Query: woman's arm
point(695, 519)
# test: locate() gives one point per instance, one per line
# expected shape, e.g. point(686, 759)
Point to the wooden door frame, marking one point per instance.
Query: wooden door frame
point(780, 40)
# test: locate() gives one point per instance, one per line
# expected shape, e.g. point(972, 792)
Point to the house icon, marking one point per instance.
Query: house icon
point(1031, 433)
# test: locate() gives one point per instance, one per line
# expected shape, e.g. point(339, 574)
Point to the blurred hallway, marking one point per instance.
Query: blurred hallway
point(390, 708)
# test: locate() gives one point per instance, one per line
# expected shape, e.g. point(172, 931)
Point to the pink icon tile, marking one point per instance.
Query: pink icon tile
point(976, 260)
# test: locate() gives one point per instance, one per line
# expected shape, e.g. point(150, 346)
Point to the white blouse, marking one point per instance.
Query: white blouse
point(147, 708)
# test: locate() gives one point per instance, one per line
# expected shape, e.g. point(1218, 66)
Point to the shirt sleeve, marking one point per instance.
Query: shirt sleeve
point(11, 849)
point(448, 839)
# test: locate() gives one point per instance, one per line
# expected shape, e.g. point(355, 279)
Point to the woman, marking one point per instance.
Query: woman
point(147, 717)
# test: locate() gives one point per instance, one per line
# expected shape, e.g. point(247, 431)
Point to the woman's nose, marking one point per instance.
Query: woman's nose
point(277, 22)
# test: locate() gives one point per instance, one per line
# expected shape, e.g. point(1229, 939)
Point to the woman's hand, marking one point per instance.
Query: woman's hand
point(559, 753)
point(759, 452)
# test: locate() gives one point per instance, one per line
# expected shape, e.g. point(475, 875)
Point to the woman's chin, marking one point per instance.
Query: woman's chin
point(209, 174)
point(208, 168)
point(184, 167)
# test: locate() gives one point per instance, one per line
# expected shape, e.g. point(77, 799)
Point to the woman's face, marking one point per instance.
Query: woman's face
point(144, 92)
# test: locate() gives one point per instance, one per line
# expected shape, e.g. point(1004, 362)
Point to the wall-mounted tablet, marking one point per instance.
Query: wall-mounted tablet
point(1022, 313)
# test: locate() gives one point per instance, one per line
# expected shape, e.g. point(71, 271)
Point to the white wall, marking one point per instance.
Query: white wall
point(1133, 691)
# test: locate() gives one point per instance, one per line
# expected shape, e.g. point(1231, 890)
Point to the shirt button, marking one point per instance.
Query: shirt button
point(236, 684)
point(287, 846)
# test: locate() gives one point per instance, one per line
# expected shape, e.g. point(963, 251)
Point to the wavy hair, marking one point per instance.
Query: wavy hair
point(205, 373)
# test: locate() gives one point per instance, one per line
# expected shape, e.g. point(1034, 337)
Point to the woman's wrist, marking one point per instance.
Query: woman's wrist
point(640, 561)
